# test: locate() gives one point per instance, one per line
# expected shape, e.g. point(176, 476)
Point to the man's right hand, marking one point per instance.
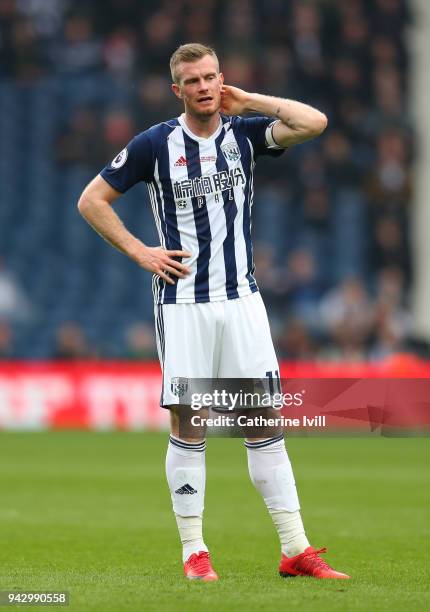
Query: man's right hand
point(161, 262)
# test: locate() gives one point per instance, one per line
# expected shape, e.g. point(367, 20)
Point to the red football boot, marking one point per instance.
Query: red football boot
point(308, 563)
point(198, 567)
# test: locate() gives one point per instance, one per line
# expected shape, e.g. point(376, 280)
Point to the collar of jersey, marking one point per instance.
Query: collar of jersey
point(191, 134)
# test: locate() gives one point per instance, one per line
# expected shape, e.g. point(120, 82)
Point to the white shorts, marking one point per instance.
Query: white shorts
point(229, 339)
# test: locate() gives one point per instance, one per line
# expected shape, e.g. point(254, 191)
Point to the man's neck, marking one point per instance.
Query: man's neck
point(204, 128)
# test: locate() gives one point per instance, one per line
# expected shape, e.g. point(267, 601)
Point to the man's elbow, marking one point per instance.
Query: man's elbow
point(313, 128)
point(319, 124)
point(84, 204)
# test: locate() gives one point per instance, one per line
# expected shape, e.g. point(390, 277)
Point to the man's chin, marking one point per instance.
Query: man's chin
point(209, 112)
point(206, 111)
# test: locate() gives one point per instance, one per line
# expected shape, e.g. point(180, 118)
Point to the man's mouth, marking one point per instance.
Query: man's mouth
point(205, 99)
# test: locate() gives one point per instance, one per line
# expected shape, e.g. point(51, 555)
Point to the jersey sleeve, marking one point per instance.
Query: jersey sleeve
point(258, 130)
point(133, 164)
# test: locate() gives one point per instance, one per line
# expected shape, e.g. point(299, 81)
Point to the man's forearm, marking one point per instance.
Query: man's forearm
point(101, 216)
point(303, 121)
point(296, 115)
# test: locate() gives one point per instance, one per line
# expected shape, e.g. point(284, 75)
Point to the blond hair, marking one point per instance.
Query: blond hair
point(189, 53)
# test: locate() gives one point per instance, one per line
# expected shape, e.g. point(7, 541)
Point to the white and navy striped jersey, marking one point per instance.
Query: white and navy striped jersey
point(201, 191)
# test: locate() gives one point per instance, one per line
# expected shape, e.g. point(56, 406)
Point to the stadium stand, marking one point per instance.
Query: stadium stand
point(331, 219)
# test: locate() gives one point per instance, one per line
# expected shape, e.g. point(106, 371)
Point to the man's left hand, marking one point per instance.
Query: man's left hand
point(233, 100)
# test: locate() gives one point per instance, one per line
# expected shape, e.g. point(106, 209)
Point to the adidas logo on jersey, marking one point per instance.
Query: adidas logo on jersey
point(186, 490)
point(181, 161)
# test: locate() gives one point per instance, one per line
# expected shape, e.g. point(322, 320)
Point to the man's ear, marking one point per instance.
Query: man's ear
point(176, 90)
point(221, 78)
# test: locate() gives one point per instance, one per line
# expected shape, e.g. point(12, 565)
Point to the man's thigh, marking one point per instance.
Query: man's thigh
point(188, 346)
point(247, 348)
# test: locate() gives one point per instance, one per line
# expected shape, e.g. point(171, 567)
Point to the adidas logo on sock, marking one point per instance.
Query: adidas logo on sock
point(186, 490)
point(181, 161)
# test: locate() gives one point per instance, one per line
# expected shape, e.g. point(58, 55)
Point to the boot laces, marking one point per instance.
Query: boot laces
point(312, 560)
point(200, 562)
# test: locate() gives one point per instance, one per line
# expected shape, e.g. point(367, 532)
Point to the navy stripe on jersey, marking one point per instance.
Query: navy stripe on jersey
point(173, 236)
point(201, 219)
point(230, 211)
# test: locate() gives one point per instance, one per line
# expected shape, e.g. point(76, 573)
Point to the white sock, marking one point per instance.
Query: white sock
point(271, 473)
point(191, 533)
point(289, 526)
point(186, 476)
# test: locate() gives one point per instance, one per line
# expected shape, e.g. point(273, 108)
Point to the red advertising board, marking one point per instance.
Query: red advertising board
point(124, 395)
point(89, 395)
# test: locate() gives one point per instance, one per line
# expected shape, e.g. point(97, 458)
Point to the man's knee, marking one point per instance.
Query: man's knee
point(181, 424)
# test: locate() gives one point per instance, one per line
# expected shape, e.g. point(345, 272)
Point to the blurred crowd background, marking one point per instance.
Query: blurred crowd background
point(331, 218)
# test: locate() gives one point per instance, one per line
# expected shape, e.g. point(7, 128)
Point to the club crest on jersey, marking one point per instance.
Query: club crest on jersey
point(179, 386)
point(231, 151)
point(120, 159)
point(181, 204)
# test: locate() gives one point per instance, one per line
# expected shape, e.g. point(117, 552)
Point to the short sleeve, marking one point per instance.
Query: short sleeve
point(255, 128)
point(133, 164)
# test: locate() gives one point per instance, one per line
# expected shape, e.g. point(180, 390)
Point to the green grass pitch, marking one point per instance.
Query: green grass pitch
point(90, 513)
